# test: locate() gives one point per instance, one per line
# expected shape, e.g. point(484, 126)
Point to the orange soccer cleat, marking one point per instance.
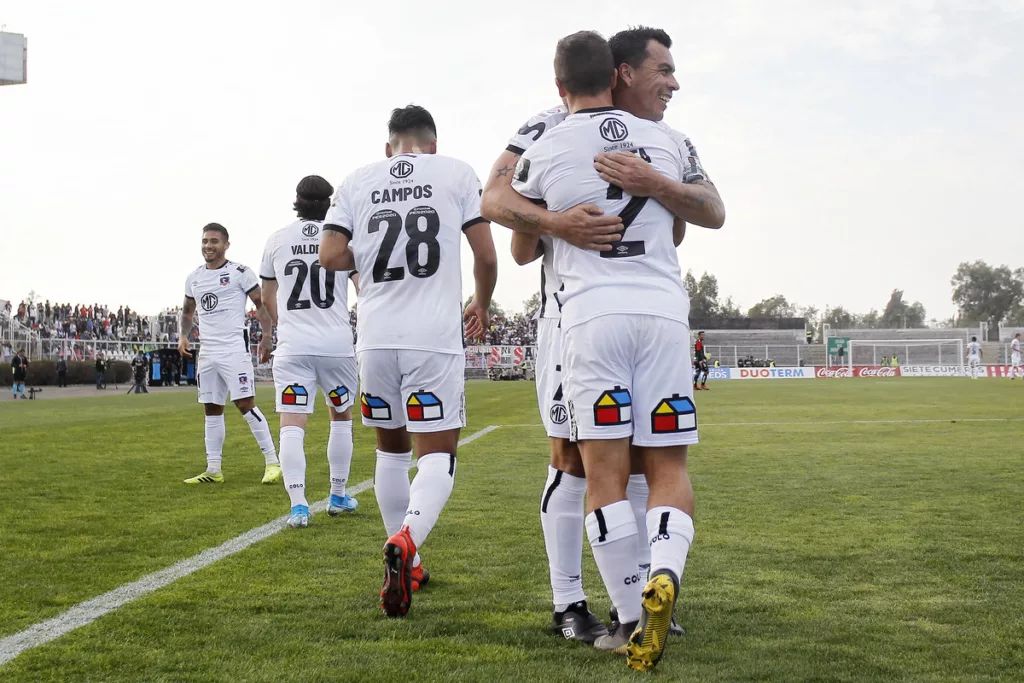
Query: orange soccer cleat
point(396, 594)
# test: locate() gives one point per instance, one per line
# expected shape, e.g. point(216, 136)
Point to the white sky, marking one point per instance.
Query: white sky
point(856, 149)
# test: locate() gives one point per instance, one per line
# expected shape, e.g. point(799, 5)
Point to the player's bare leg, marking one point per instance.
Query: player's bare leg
point(561, 518)
point(261, 431)
point(612, 531)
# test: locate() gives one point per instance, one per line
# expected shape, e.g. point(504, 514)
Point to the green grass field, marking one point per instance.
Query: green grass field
point(834, 543)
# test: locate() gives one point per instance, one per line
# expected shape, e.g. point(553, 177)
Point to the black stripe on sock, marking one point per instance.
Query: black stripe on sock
point(663, 527)
point(551, 490)
point(451, 465)
point(601, 526)
point(256, 415)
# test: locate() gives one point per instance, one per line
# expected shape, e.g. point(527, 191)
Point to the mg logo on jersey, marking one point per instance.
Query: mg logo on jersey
point(208, 301)
point(401, 169)
point(613, 130)
point(310, 230)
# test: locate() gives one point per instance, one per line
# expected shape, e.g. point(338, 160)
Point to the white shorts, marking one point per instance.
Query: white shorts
point(553, 411)
point(974, 361)
point(297, 377)
point(630, 376)
point(1015, 359)
point(216, 375)
point(423, 391)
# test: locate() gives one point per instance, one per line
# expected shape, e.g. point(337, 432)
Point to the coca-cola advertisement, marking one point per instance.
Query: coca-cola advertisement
point(857, 371)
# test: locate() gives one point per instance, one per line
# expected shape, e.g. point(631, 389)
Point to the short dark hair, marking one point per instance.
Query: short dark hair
point(584, 64)
point(411, 119)
point(630, 46)
point(974, 339)
point(701, 332)
point(313, 198)
point(216, 227)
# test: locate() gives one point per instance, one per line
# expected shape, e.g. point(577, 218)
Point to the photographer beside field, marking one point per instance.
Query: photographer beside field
point(101, 368)
point(19, 368)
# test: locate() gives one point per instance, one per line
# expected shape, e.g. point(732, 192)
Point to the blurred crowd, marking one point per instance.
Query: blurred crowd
point(517, 330)
point(80, 321)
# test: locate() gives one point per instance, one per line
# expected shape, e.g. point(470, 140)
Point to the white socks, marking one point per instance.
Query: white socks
point(215, 434)
point(430, 490)
point(612, 533)
point(258, 424)
point(293, 464)
point(339, 455)
point(670, 533)
point(637, 493)
point(391, 486)
point(561, 518)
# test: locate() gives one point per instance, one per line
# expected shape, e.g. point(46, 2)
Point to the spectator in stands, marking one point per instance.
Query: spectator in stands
point(62, 372)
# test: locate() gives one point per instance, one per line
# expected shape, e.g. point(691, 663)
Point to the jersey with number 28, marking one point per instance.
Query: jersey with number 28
point(312, 303)
point(406, 215)
point(640, 274)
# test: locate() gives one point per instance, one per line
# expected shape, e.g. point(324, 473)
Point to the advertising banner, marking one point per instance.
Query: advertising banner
point(857, 371)
point(772, 373)
point(931, 371)
point(499, 356)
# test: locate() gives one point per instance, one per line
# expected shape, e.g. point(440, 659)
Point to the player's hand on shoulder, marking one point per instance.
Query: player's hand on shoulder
point(476, 319)
point(634, 175)
point(585, 226)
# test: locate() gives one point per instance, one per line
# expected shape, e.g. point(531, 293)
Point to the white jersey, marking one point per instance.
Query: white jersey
point(974, 349)
point(1015, 346)
point(640, 275)
point(312, 303)
point(531, 132)
point(220, 295)
point(405, 216)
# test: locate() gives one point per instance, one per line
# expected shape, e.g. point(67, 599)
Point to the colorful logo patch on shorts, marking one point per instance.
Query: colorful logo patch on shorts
point(424, 406)
point(338, 397)
point(614, 407)
point(375, 408)
point(294, 395)
point(243, 380)
point(672, 415)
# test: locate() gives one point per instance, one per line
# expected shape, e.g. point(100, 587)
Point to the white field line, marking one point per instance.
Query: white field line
point(89, 611)
point(837, 422)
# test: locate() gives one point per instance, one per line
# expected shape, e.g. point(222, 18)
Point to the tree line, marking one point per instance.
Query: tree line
point(981, 292)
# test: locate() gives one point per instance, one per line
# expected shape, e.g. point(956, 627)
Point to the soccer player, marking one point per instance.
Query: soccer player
point(974, 356)
point(645, 83)
point(624, 316)
point(19, 371)
point(224, 366)
point(398, 222)
point(309, 305)
point(700, 357)
point(1015, 368)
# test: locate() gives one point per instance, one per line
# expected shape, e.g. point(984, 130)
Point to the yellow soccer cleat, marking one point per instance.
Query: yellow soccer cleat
point(272, 474)
point(207, 478)
point(647, 644)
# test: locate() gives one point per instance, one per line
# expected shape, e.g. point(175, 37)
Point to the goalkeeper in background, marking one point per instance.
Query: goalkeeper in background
point(700, 363)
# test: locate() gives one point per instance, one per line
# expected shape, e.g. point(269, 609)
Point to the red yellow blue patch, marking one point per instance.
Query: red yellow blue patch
point(673, 415)
point(294, 395)
point(614, 407)
point(374, 407)
point(338, 397)
point(423, 406)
